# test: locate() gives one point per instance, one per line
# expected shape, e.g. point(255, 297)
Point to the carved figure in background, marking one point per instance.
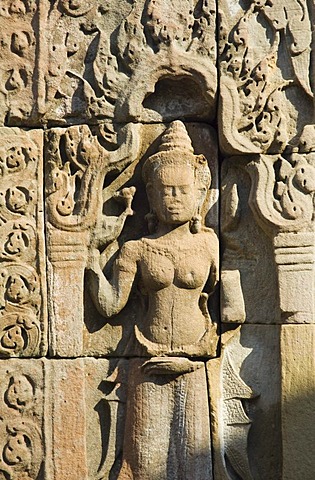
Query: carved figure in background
point(167, 432)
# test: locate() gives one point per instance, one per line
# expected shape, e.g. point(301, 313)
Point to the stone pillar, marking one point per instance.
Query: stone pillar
point(283, 206)
point(67, 260)
point(295, 257)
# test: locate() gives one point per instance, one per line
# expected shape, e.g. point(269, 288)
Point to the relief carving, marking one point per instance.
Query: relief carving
point(265, 65)
point(78, 163)
point(17, 60)
point(244, 395)
point(248, 276)
point(22, 307)
point(280, 193)
point(99, 69)
point(283, 191)
point(282, 199)
point(21, 444)
point(169, 273)
point(144, 379)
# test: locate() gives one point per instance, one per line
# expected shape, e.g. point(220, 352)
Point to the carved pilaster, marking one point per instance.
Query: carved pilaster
point(282, 199)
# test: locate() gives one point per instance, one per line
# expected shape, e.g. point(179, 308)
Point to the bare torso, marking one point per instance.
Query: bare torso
point(173, 276)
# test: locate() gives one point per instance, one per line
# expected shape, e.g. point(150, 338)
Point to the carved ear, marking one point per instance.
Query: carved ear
point(150, 188)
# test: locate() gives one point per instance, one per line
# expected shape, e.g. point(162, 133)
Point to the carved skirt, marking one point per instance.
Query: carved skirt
point(167, 432)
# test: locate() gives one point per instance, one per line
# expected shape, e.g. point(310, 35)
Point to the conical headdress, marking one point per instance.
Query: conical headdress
point(176, 138)
point(175, 147)
point(176, 150)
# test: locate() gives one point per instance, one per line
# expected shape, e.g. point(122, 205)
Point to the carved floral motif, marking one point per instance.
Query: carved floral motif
point(21, 312)
point(283, 192)
point(261, 75)
point(150, 41)
point(21, 451)
point(17, 59)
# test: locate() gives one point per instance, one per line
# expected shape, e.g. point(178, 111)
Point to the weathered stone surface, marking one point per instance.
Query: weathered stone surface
point(23, 316)
point(71, 235)
point(173, 329)
point(169, 436)
point(266, 97)
point(65, 420)
point(280, 193)
point(18, 59)
point(144, 378)
point(139, 61)
point(248, 275)
point(245, 397)
point(297, 400)
point(61, 419)
point(77, 166)
point(22, 409)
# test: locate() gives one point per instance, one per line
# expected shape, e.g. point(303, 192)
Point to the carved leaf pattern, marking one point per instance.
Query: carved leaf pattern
point(20, 437)
point(20, 289)
point(282, 194)
point(237, 423)
point(256, 86)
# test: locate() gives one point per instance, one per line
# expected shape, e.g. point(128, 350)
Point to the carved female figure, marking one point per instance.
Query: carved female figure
point(167, 433)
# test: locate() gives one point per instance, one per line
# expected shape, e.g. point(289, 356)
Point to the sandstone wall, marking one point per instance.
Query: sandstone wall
point(157, 179)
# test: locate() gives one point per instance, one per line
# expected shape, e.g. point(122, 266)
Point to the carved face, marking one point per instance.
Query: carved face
point(174, 195)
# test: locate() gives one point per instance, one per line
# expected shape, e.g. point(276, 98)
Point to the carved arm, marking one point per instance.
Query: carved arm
point(111, 296)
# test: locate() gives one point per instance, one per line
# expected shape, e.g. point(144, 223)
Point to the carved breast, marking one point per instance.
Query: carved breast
point(157, 270)
point(160, 267)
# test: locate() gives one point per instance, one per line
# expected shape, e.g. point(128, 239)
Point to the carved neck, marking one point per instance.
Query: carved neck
point(164, 229)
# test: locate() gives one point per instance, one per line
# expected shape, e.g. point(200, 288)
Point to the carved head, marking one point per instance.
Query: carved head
point(176, 179)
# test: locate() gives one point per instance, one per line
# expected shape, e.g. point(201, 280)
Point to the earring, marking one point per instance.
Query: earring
point(195, 224)
point(152, 220)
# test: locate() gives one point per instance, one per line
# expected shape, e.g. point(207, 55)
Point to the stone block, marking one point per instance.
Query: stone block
point(297, 400)
point(75, 324)
point(18, 58)
point(248, 274)
point(65, 420)
point(245, 399)
point(22, 412)
point(268, 196)
point(23, 309)
point(266, 99)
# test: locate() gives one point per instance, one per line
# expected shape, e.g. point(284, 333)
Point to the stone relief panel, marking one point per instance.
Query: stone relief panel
point(248, 274)
point(113, 337)
point(66, 62)
point(172, 329)
point(266, 96)
point(18, 57)
point(279, 192)
point(132, 237)
point(23, 322)
point(52, 407)
point(78, 160)
point(106, 394)
point(282, 200)
point(21, 425)
point(244, 389)
point(89, 198)
point(106, 60)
